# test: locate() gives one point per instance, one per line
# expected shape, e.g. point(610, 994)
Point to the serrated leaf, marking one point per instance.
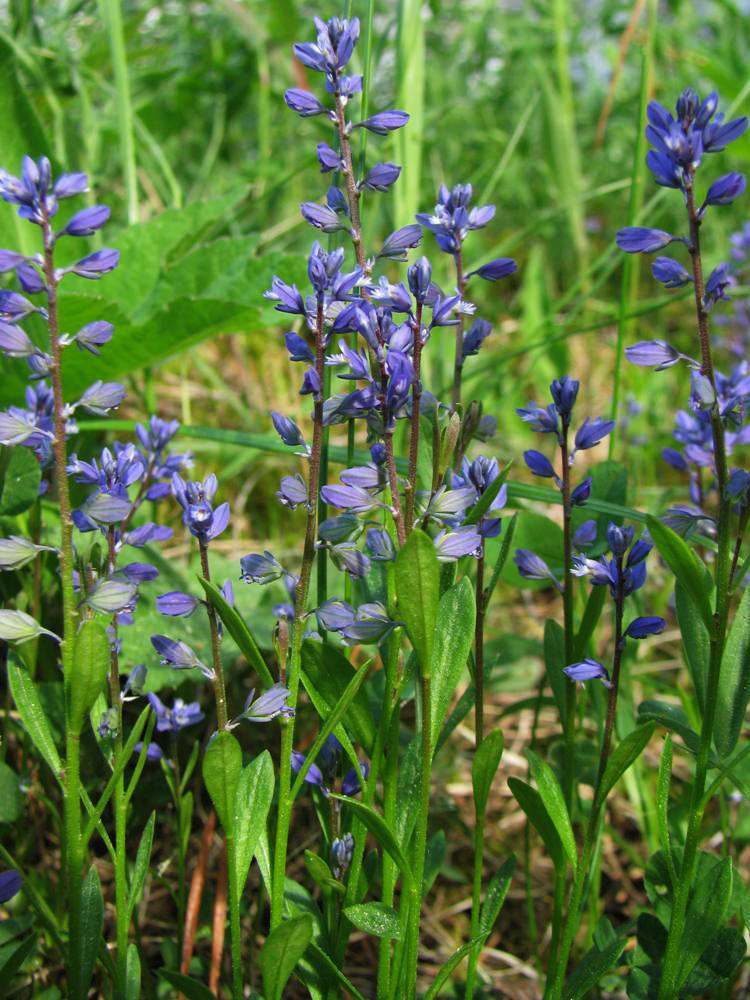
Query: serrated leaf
point(453, 638)
point(282, 949)
point(238, 630)
point(554, 802)
point(417, 576)
point(375, 918)
point(685, 566)
point(734, 681)
point(32, 715)
point(222, 768)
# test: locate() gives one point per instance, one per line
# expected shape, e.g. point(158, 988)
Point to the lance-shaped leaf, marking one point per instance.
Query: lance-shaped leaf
point(484, 767)
point(251, 805)
point(685, 567)
point(734, 681)
point(238, 630)
point(92, 922)
point(626, 751)
point(382, 833)
point(375, 918)
point(282, 949)
point(140, 870)
point(531, 802)
point(554, 803)
point(91, 660)
point(222, 767)
point(32, 714)
point(417, 574)
point(454, 634)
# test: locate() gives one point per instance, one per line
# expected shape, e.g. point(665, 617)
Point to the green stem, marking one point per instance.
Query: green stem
point(234, 918)
point(476, 900)
point(416, 398)
point(213, 624)
point(458, 361)
point(420, 842)
point(669, 985)
point(118, 50)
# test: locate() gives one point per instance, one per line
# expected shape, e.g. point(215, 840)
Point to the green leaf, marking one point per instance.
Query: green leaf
point(92, 922)
point(15, 960)
point(454, 635)
point(447, 968)
point(554, 661)
point(674, 719)
point(458, 713)
point(695, 640)
point(686, 568)
point(554, 803)
point(434, 858)
point(495, 895)
point(734, 681)
point(282, 949)
point(32, 714)
point(707, 909)
point(484, 767)
point(251, 805)
point(382, 833)
point(531, 802)
point(626, 751)
point(19, 482)
point(91, 661)
point(321, 873)
point(329, 970)
point(662, 804)
point(142, 859)
point(132, 973)
point(375, 918)
point(417, 575)
point(238, 630)
point(190, 988)
point(407, 794)
point(11, 798)
point(594, 964)
point(222, 768)
point(331, 674)
point(718, 963)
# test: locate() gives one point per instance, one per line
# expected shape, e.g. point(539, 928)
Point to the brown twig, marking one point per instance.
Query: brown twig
point(220, 920)
point(196, 892)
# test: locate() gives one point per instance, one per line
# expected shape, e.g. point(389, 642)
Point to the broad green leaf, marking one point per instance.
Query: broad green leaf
point(19, 481)
point(238, 630)
point(142, 859)
point(192, 989)
point(531, 802)
point(132, 973)
point(434, 859)
point(321, 873)
point(454, 635)
point(417, 575)
point(734, 681)
point(92, 922)
point(14, 960)
point(382, 833)
point(695, 640)
point(331, 674)
point(484, 767)
point(554, 661)
point(222, 768)
point(554, 802)
point(11, 798)
point(706, 912)
point(282, 949)
point(625, 753)
point(718, 963)
point(686, 568)
point(375, 918)
point(447, 968)
point(91, 662)
point(495, 895)
point(594, 964)
point(251, 805)
point(32, 714)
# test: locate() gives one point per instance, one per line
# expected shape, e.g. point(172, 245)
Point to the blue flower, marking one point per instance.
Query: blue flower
point(539, 464)
point(263, 569)
point(384, 122)
point(670, 273)
point(588, 670)
point(400, 241)
point(380, 177)
point(640, 628)
point(199, 515)
point(533, 567)
point(267, 706)
point(10, 884)
point(641, 239)
point(592, 431)
point(181, 715)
